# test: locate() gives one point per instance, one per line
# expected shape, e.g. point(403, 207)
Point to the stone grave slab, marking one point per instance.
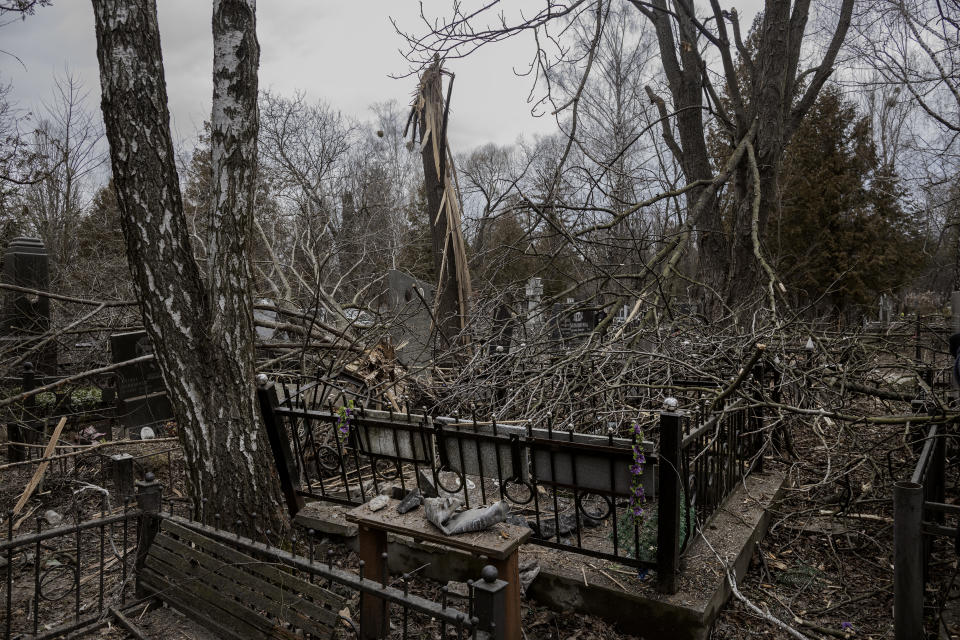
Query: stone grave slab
point(386, 439)
point(478, 457)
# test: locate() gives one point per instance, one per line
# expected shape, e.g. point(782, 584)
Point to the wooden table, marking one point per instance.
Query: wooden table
point(499, 544)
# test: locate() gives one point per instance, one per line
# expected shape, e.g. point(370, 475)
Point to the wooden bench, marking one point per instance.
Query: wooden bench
point(499, 544)
point(230, 592)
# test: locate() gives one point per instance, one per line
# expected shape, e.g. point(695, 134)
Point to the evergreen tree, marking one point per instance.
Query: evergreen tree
point(843, 235)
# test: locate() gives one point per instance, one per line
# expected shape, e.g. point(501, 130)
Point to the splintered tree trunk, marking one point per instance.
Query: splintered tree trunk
point(202, 332)
point(449, 252)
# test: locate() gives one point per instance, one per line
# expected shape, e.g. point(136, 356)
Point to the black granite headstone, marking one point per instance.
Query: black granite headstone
point(140, 389)
point(26, 315)
point(572, 323)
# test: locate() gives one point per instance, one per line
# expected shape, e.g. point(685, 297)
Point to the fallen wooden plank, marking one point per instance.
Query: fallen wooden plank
point(42, 469)
point(133, 628)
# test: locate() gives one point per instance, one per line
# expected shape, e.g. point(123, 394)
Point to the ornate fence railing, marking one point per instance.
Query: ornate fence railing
point(75, 578)
point(715, 457)
point(611, 496)
point(63, 578)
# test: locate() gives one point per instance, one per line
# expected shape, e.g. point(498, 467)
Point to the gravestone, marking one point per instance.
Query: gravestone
point(409, 302)
point(534, 297)
point(26, 315)
point(503, 325)
point(572, 323)
point(265, 333)
point(141, 394)
point(121, 472)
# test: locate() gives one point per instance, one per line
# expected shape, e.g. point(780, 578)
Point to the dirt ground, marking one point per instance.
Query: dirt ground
point(826, 564)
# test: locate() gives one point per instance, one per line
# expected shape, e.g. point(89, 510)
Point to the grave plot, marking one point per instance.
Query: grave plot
point(624, 499)
point(569, 479)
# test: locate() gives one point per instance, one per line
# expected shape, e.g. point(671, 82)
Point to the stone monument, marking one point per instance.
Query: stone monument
point(409, 301)
point(141, 394)
point(26, 315)
point(571, 323)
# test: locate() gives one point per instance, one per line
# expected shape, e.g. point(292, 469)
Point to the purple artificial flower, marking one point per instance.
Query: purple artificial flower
point(846, 626)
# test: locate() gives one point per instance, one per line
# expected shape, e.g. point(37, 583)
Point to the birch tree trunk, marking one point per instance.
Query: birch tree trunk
point(202, 332)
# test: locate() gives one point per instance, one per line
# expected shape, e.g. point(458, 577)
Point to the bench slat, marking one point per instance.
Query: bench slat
point(234, 583)
point(231, 581)
point(208, 576)
point(215, 612)
point(266, 571)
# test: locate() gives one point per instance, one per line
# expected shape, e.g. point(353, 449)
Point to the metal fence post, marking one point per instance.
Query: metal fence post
point(939, 468)
point(918, 355)
point(668, 502)
point(489, 604)
point(279, 445)
point(908, 561)
point(756, 421)
point(954, 393)
point(149, 499)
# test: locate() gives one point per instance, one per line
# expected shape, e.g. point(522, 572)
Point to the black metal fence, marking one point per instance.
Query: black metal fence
point(611, 496)
point(75, 577)
point(715, 457)
point(920, 514)
point(65, 577)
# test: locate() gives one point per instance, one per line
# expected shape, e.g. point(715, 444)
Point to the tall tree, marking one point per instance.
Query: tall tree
point(443, 206)
point(68, 154)
point(913, 48)
point(695, 49)
point(772, 99)
point(201, 328)
point(842, 237)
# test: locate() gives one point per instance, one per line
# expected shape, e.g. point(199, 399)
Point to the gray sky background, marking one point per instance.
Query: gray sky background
point(340, 51)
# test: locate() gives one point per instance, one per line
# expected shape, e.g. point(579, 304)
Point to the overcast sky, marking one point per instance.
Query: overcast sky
point(342, 51)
